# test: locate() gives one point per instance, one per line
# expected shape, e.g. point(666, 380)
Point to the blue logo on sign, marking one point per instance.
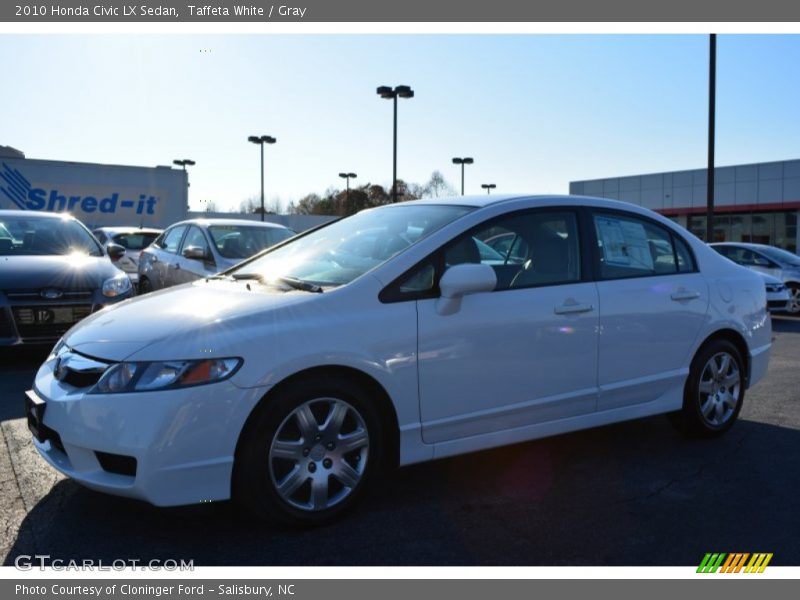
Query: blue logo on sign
point(26, 197)
point(16, 187)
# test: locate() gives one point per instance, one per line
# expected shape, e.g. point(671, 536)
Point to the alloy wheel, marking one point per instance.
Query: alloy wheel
point(794, 300)
point(319, 454)
point(719, 388)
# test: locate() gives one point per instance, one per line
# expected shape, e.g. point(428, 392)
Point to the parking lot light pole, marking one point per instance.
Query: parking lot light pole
point(348, 177)
point(185, 162)
point(462, 162)
point(261, 140)
point(488, 187)
point(387, 93)
point(712, 104)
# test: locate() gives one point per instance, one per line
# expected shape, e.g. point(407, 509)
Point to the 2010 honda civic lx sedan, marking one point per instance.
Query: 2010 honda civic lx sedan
point(292, 380)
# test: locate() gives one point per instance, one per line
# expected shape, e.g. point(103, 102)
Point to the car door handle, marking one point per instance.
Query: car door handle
point(176, 265)
point(568, 309)
point(685, 295)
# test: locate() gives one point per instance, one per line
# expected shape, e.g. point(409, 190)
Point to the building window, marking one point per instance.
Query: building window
point(771, 228)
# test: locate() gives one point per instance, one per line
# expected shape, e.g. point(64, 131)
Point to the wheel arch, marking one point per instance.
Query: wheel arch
point(383, 402)
point(734, 337)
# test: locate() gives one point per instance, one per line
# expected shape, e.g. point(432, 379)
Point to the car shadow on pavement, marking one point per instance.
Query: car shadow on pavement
point(634, 493)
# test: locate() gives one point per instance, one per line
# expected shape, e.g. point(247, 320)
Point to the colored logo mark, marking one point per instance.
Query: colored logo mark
point(16, 186)
point(734, 562)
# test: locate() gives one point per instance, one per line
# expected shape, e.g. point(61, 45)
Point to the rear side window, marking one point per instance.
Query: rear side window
point(632, 247)
point(172, 239)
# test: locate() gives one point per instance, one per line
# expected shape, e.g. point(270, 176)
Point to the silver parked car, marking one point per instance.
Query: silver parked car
point(198, 248)
point(777, 294)
point(134, 240)
point(770, 260)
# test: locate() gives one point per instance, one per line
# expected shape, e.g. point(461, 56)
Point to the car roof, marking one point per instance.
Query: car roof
point(742, 245)
point(243, 222)
point(484, 200)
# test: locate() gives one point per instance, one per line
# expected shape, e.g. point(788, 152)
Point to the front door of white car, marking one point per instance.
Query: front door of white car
point(653, 305)
point(523, 354)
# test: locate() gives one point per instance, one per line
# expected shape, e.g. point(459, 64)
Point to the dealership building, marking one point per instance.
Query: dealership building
point(757, 203)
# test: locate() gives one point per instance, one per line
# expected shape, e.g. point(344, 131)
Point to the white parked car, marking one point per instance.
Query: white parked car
point(134, 240)
point(777, 262)
point(778, 297)
point(291, 380)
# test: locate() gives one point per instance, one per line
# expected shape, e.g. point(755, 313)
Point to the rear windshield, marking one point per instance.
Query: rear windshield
point(37, 236)
point(243, 241)
point(134, 240)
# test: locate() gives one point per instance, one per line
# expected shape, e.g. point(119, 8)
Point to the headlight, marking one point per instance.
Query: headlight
point(116, 286)
point(169, 374)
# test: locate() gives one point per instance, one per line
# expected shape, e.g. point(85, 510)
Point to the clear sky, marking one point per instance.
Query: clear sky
point(535, 111)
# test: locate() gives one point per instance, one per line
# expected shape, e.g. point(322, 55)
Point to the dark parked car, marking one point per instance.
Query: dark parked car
point(53, 273)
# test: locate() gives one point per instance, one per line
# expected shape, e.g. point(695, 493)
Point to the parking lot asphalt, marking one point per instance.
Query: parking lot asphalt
point(635, 493)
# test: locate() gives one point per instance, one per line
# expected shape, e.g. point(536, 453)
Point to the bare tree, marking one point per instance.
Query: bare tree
point(438, 186)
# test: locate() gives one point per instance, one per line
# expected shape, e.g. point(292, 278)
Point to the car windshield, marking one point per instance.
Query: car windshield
point(781, 256)
point(338, 253)
point(134, 240)
point(41, 236)
point(243, 241)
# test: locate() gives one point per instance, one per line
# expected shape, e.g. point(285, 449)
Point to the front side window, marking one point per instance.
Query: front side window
point(339, 253)
point(195, 238)
point(527, 249)
point(632, 247)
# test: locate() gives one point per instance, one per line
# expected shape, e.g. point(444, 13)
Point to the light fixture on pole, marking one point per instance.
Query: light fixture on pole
point(185, 162)
point(387, 93)
point(261, 140)
point(462, 162)
point(488, 187)
point(348, 177)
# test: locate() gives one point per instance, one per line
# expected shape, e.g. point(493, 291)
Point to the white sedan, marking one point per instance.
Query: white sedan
point(389, 337)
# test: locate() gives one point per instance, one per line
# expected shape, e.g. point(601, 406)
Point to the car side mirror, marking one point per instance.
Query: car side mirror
point(194, 253)
point(461, 280)
point(115, 252)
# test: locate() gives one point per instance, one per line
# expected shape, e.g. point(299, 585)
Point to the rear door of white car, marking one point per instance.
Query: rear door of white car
point(653, 303)
point(523, 354)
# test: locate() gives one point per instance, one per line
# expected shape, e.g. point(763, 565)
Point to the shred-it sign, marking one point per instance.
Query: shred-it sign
point(96, 194)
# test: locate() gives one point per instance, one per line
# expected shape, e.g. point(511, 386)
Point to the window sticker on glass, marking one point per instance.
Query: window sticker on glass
point(624, 243)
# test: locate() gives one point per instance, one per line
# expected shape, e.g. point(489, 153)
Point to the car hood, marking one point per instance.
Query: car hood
point(61, 272)
point(122, 329)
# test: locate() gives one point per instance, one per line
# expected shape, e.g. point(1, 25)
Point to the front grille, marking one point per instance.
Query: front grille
point(36, 295)
point(776, 304)
point(117, 463)
point(78, 370)
point(49, 321)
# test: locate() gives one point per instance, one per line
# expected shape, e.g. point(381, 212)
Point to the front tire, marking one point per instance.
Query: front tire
point(714, 391)
point(309, 453)
point(145, 287)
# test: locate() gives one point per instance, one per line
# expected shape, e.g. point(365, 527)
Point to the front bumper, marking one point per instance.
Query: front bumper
point(181, 442)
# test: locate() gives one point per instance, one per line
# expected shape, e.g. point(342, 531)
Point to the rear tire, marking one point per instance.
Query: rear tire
point(308, 453)
point(145, 287)
point(714, 391)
